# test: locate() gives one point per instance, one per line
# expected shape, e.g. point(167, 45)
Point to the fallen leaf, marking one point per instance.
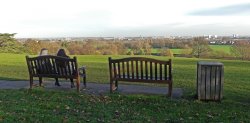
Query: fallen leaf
point(67, 107)
point(209, 116)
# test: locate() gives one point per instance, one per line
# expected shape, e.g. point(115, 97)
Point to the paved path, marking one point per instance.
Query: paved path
point(95, 88)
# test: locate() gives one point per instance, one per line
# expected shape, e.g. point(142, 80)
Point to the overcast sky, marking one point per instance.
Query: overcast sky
point(73, 18)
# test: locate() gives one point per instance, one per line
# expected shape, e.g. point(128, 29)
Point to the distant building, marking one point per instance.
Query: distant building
point(210, 36)
point(215, 36)
point(212, 42)
point(235, 35)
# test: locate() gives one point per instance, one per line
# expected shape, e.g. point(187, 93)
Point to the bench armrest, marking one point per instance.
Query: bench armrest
point(82, 69)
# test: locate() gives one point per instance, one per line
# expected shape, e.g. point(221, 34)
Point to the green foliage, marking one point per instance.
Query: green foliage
point(130, 52)
point(166, 52)
point(34, 46)
point(141, 47)
point(96, 48)
point(8, 44)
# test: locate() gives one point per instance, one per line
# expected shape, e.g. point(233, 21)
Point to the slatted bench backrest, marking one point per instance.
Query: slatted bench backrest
point(52, 66)
point(140, 69)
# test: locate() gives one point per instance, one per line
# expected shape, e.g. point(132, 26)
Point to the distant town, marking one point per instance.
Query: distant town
point(212, 39)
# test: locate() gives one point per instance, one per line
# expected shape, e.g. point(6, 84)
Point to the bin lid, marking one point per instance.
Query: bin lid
point(210, 63)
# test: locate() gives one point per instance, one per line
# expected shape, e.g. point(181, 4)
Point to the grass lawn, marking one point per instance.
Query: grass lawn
point(39, 105)
point(225, 48)
point(18, 105)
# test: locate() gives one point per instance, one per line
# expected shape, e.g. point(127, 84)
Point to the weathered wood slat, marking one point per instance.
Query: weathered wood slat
point(137, 71)
point(41, 67)
point(69, 69)
point(115, 71)
point(160, 71)
point(170, 69)
point(155, 70)
point(132, 69)
point(208, 82)
point(127, 63)
point(213, 71)
point(36, 67)
point(119, 70)
point(123, 70)
point(203, 82)
point(165, 72)
point(141, 63)
point(32, 65)
point(54, 65)
point(151, 70)
point(146, 69)
point(217, 83)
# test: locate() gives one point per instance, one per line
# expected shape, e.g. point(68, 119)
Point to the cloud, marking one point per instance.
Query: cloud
point(240, 9)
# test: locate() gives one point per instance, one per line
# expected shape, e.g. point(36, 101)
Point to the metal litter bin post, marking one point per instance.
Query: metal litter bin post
point(210, 78)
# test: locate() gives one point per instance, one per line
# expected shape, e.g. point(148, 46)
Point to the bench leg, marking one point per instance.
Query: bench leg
point(57, 82)
point(84, 81)
point(112, 86)
point(170, 89)
point(31, 82)
point(78, 84)
point(40, 81)
point(116, 84)
point(72, 85)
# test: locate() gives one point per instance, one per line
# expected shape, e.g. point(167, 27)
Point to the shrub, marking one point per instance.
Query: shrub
point(166, 52)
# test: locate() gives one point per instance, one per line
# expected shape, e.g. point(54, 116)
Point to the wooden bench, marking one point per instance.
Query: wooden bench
point(53, 67)
point(140, 69)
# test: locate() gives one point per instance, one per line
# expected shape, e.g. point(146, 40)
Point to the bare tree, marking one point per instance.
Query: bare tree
point(200, 47)
point(241, 49)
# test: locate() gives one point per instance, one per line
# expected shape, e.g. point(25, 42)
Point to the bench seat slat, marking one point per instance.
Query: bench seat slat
point(144, 80)
point(146, 69)
point(160, 71)
point(151, 70)
point(141, 67)
point(128, 74)
point(119, 70)
point(141, 78)
point(137, 70)
point(123, 69)
point(132, 69)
